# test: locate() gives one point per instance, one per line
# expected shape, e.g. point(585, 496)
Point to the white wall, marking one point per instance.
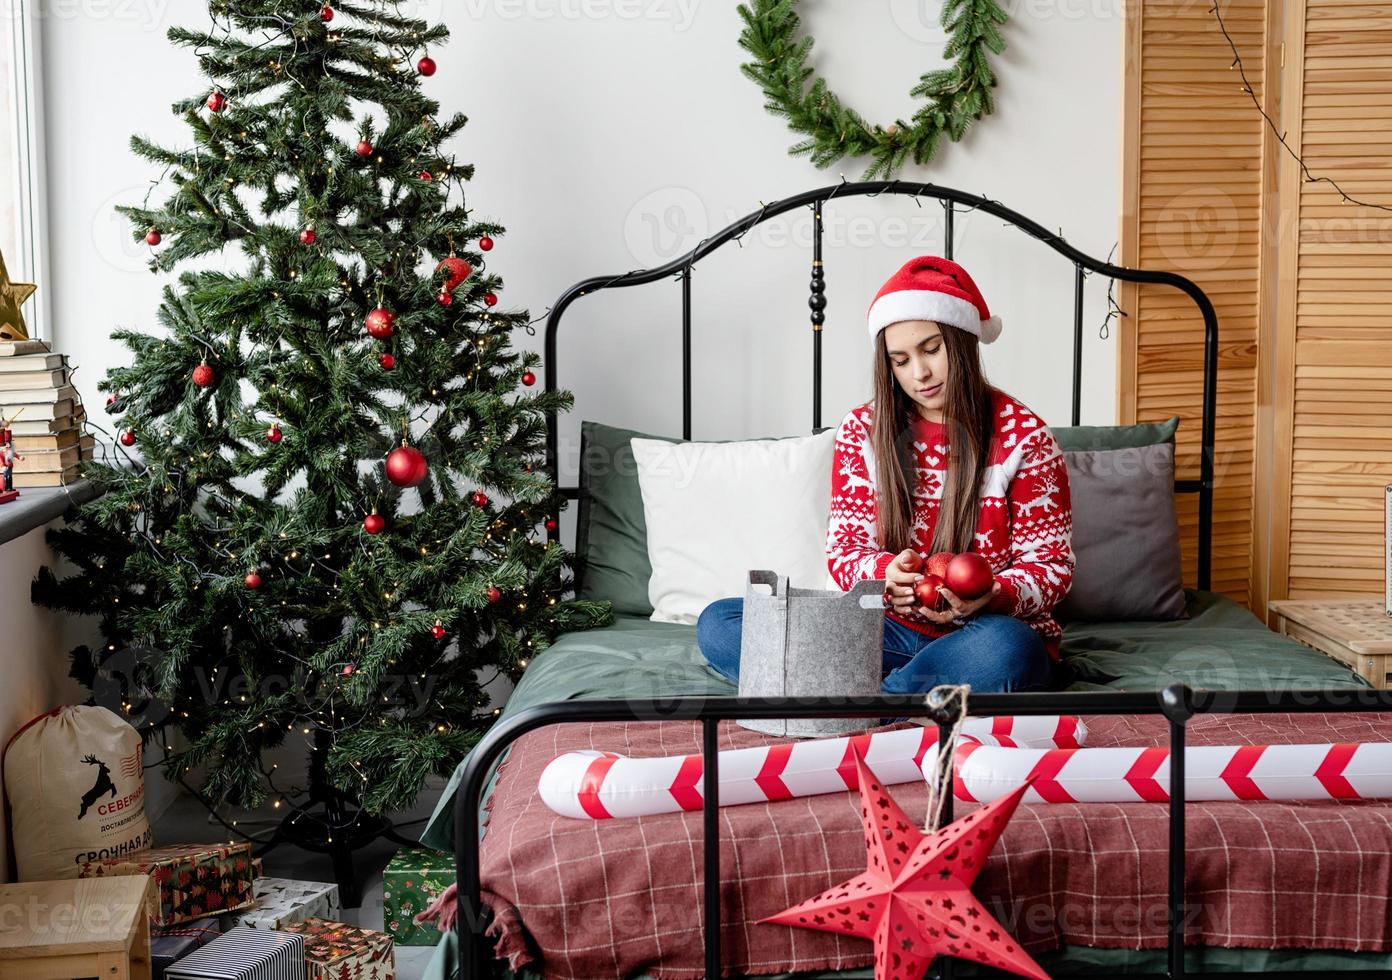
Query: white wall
point(607, 142)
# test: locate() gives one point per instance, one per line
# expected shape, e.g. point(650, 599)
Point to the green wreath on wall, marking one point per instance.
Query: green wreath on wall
point(954, 97)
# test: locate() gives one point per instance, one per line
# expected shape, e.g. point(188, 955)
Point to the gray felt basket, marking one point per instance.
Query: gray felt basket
point(809, 642)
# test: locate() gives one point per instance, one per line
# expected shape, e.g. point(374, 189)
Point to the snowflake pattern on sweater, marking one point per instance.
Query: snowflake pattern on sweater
point(1025, 526)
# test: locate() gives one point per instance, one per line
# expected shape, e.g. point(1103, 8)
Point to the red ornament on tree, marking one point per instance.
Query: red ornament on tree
point(152, 238)
point(374, 523)
point(490, 299)
point(252, 580)
point(493, 594)
point(273, 434)
point(486, 244)
point(426, 66)
point(364, 148)
point(381, 323)
point(528, 378)
point(110, 400)
point(426, 175)
point(203, 376)
point(348, 669)
point(456, 271)
point(128, 438)
point(217, 101)
point(914, 899)
point(326, 13)
point(444, 298)
point(406, 466)
point(480, 498)
point(308, 236)
point(550, 524)
point(387, 361)
point(438, 630)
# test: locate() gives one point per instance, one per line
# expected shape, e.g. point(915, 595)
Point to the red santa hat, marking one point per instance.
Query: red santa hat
point(933, 288)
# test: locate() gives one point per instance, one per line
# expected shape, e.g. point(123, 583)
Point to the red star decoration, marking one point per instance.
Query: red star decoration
point(914, 899)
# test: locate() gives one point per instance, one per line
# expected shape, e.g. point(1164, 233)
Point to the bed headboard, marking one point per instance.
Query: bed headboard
point(952, 201)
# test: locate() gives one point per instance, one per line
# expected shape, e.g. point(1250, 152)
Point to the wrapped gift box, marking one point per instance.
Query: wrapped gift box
point(244, 954)
point(334, 950)
point(169, 944)
point(412, 880)
point(194, 880)
point(281, 902)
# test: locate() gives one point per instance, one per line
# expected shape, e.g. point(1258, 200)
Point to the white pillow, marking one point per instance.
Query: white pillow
point(715, 510)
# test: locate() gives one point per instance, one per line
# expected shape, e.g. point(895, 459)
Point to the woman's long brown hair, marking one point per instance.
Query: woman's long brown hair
point(967, 424)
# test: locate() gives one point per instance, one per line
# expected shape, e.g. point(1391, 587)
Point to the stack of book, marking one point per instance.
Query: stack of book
point(43, 413)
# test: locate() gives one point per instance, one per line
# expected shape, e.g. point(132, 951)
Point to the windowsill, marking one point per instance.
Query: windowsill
point(36, 506)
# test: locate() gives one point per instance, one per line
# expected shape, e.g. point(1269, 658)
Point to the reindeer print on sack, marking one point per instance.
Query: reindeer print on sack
point(103, 786)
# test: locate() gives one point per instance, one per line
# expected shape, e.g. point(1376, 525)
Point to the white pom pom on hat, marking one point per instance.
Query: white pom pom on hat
point(933, 288)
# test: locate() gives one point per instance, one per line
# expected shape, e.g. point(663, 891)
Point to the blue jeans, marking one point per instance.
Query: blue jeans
point(990, 652)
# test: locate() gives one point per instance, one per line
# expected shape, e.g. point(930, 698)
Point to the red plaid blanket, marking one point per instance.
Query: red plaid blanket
point(586, 899)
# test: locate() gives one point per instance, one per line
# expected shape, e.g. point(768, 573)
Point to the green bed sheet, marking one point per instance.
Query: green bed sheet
point(1219, 646)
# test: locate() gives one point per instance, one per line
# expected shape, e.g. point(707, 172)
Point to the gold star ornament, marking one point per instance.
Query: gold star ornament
point(12, 296)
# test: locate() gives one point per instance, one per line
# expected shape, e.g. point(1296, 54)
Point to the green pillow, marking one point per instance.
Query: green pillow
point(611, 536)
point(1095, 438)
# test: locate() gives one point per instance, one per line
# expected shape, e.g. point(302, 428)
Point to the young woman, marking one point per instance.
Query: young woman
point(941, 461)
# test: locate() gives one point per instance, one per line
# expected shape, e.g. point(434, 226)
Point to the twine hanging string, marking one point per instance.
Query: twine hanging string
point(944, 698)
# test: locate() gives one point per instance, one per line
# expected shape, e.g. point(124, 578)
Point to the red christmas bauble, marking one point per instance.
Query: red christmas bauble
point(364, 148)
point(493, 594)
point(406, 466)
point(490, 299)
point(480, 498)
point(444, 298)
point(252, 580)
point(438, 630)
point(326, 13)
point(128, 438)
point(969, 575)
point(926, 592)
point(203, 376)
point(937, 564)
point(217, 102)
point(456, 271)
point(152, 238)
point(426, 175)
point(528, 378)
point(273, 434)
point(387, 361)
point(110, 400)
point(486, 244)
point(551, 524)
point(374, 524)
point(348, 669)
point(426, 66)
point(308, 237)
point(381, 323)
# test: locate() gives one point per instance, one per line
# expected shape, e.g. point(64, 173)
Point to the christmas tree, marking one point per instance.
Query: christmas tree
point(321, 517)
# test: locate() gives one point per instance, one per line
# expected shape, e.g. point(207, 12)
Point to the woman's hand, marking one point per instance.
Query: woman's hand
point(900, 577)
point(960, 608)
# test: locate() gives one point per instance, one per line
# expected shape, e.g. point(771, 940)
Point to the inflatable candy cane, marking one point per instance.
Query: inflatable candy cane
point(599, 785)
point(1211, 772)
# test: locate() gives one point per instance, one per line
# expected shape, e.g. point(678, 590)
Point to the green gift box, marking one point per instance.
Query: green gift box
point(412, 880)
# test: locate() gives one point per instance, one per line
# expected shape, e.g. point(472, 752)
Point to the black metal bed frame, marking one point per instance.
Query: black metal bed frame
point(1177, 703)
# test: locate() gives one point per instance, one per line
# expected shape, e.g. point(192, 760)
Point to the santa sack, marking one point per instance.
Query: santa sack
point(75, 786)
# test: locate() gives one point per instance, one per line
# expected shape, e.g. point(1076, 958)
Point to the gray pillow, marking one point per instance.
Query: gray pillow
point(1125, 535)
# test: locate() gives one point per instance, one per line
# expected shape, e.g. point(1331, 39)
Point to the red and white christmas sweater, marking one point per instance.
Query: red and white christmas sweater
point(1025, 527)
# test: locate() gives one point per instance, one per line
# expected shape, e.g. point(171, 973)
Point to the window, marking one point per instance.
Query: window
point(22, 203)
